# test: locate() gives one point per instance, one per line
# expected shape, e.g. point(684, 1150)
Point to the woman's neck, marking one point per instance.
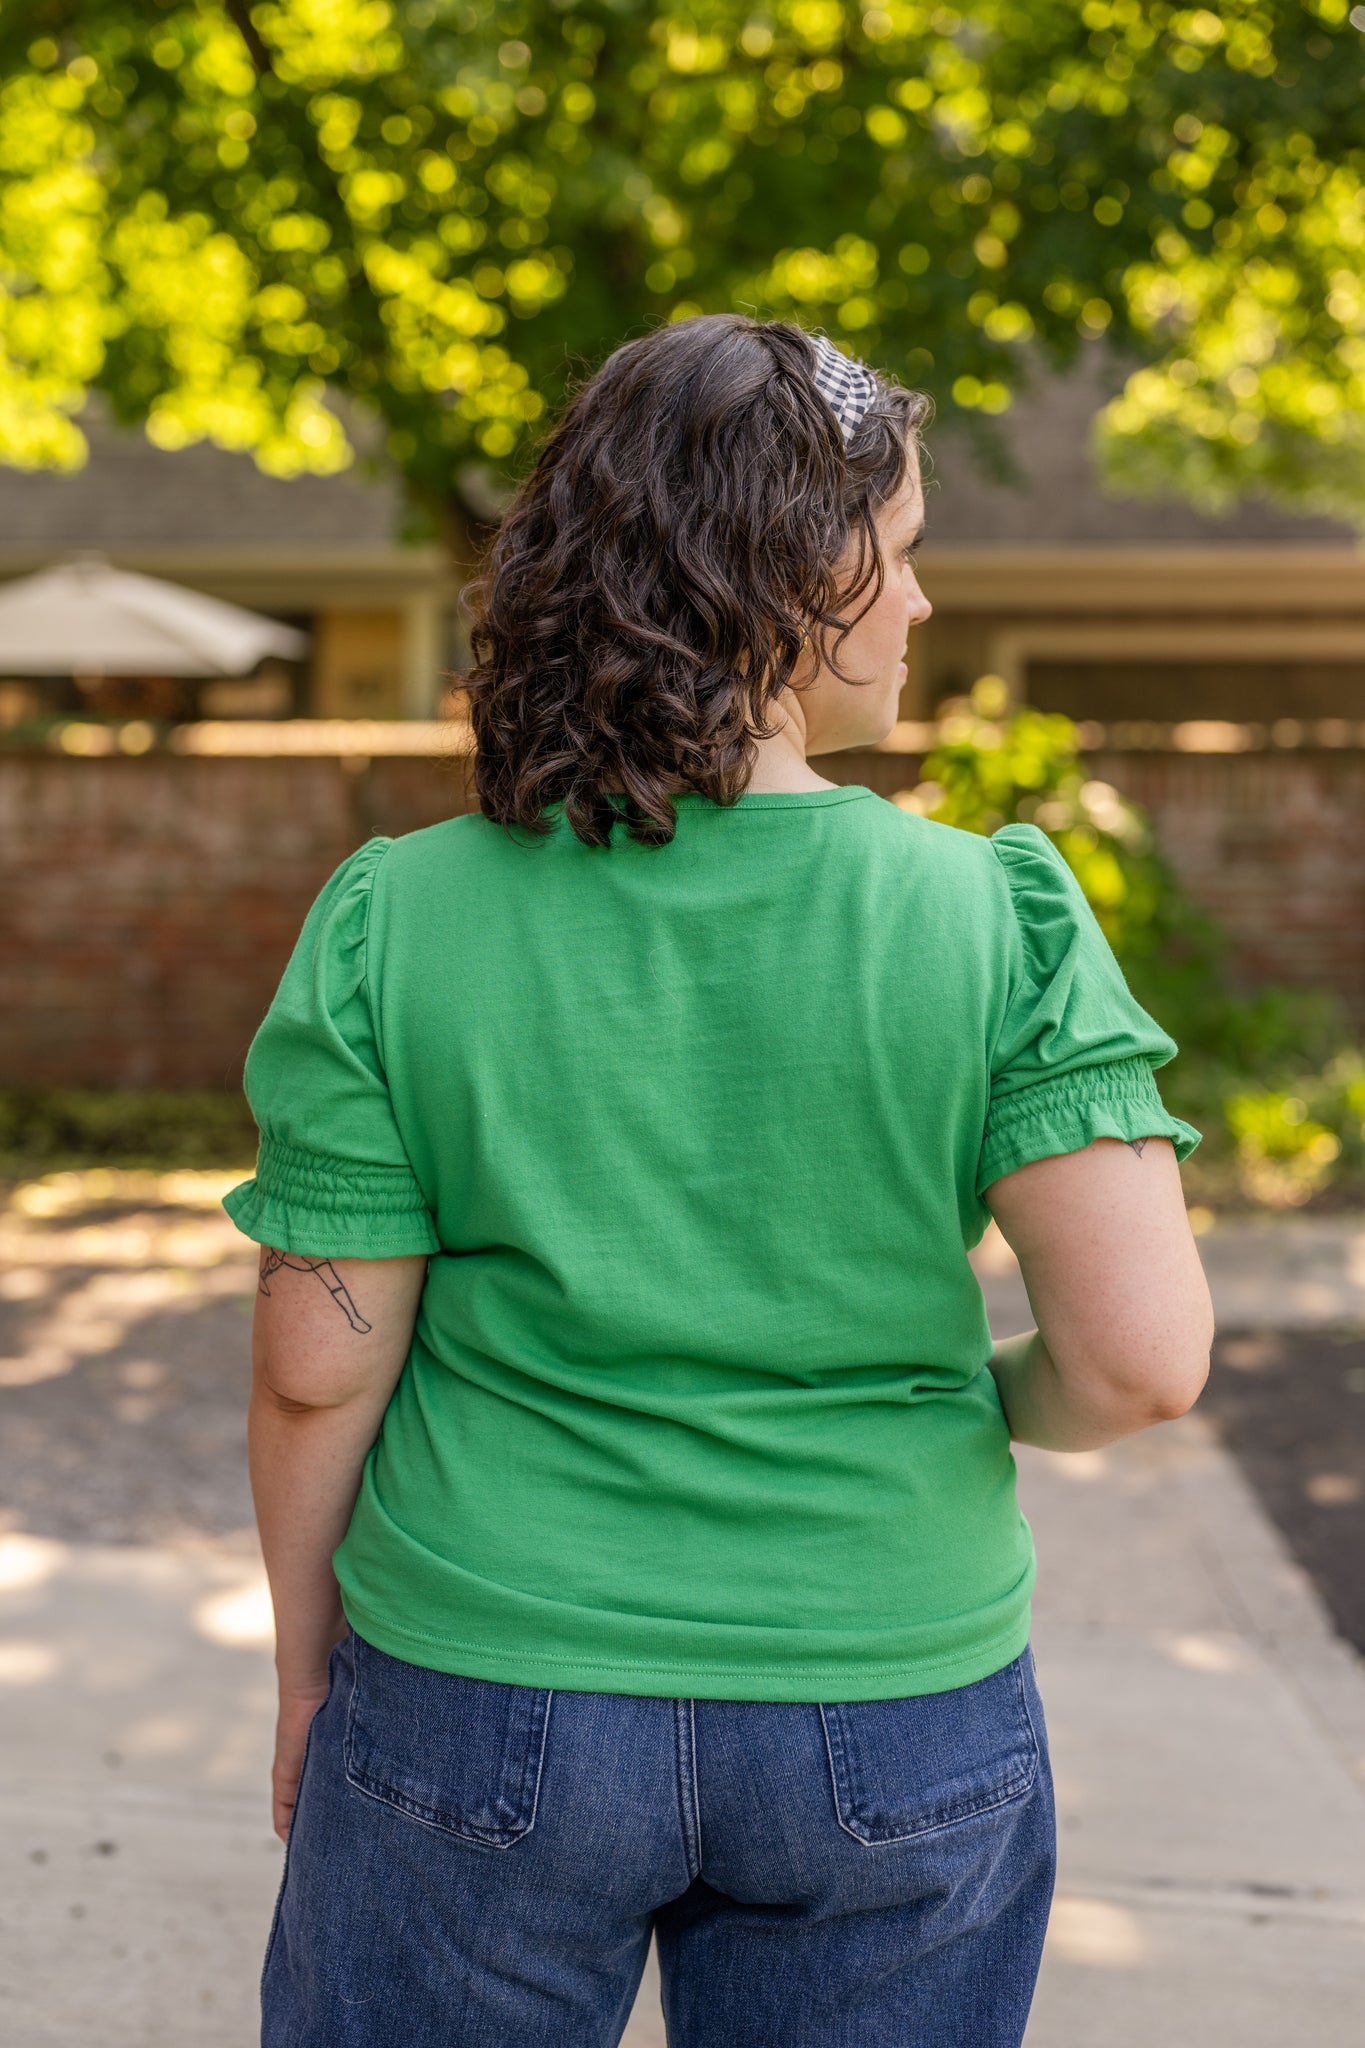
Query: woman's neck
point(780, 764)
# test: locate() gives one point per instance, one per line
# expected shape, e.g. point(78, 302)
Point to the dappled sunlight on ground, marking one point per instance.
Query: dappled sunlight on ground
point(1082, 1468)
point(136, 1661)
point(91, 1253)
point(93, 1316)
point(26, 1663)
point(242, 1616)
point(57, 1195)
point(137, 1860)
point(125, 1308)
point(1219, 1656)
point(27, 1561)
point(1095, 1931)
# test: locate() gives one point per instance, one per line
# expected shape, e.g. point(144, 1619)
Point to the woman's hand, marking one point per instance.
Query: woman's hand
point(297, 1708)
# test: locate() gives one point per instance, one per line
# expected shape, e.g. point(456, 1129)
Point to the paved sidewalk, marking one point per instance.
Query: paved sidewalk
point(1208, 1736)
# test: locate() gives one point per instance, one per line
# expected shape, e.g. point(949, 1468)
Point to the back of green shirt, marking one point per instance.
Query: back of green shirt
point(698, 1400)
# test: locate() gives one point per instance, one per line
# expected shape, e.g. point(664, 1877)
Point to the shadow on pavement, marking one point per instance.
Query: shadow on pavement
point(1290, 1406)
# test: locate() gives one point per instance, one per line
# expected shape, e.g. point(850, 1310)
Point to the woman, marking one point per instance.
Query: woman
point(631, 1458)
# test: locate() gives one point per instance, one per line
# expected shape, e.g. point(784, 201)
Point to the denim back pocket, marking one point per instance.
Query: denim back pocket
point(462, 1754)
point(907, 1767)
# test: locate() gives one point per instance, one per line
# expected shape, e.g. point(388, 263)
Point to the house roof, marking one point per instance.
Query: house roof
point(134, 500)
point(1058, 501)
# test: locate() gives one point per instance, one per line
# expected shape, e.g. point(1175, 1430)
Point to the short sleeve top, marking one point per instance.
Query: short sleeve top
point(697, 1139)
point(333, 1177)
point(1076, 1051)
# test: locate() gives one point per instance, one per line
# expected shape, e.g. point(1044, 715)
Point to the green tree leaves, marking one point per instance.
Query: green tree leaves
point(218, 213)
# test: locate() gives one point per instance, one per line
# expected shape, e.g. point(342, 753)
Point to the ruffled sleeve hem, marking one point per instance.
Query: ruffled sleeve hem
point(1116, 1099)
point(327, 1208)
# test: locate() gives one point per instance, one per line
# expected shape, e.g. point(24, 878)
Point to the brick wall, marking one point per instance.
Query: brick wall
point(147, 905)
point(1273, 844)
point(1271, 841)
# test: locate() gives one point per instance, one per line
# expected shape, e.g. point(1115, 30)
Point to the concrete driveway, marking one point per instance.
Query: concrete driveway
point(1207, 1728)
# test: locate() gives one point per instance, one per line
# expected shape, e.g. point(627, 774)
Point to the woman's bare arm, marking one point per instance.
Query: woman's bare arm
point(1117, 1288)
point(328, 1344)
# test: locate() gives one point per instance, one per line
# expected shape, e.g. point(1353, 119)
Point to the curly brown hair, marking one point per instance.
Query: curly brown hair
point(654, 581)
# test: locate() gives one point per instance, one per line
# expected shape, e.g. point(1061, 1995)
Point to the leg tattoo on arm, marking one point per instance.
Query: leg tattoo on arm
point(1137, 1145)
point(272, 1261)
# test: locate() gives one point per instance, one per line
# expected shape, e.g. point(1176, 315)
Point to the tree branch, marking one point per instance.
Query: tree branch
point(239, 15)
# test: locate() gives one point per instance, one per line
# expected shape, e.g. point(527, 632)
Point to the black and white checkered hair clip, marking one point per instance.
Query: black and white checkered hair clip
point(847, 387)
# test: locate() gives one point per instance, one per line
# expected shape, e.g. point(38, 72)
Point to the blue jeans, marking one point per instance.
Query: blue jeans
point(473, 1865)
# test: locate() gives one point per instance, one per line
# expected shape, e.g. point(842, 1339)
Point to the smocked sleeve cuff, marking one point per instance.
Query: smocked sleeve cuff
point(1118, 1099)
point(328, 1208)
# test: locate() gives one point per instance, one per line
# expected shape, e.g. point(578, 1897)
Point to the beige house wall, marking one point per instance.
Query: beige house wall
point(1293, 615)
point(357, 664)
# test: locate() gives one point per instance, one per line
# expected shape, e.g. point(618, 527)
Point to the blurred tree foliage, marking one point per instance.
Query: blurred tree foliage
point(1275, 1079)
point(216, 212)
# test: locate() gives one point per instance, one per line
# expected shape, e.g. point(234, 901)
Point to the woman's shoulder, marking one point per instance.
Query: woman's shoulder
point(1044, 893)
point(968, 857)
point(1018, 857)
point(435, 849)
point(1009, 887)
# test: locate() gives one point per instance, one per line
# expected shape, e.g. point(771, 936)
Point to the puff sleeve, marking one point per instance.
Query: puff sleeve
point(1075, 1053)
point(332, 1177)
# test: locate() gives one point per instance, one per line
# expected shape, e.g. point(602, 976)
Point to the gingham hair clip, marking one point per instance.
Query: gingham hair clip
point(847, 387)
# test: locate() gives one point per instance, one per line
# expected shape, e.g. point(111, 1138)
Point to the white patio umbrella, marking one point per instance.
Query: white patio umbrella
point(86, 618)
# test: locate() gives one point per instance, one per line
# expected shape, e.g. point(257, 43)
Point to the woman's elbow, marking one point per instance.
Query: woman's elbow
point(1134, 1393)
point(1173, 1391)
point(1178, 1399)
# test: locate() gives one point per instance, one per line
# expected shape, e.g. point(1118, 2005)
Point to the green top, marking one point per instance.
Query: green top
point(698, 1401)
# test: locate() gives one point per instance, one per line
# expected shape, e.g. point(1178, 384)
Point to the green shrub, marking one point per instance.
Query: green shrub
point(43, 1127)
point(1276, 1079)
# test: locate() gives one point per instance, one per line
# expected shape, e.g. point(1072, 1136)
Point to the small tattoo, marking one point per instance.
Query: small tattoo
point(271, 1262)
point(1137, 1145)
